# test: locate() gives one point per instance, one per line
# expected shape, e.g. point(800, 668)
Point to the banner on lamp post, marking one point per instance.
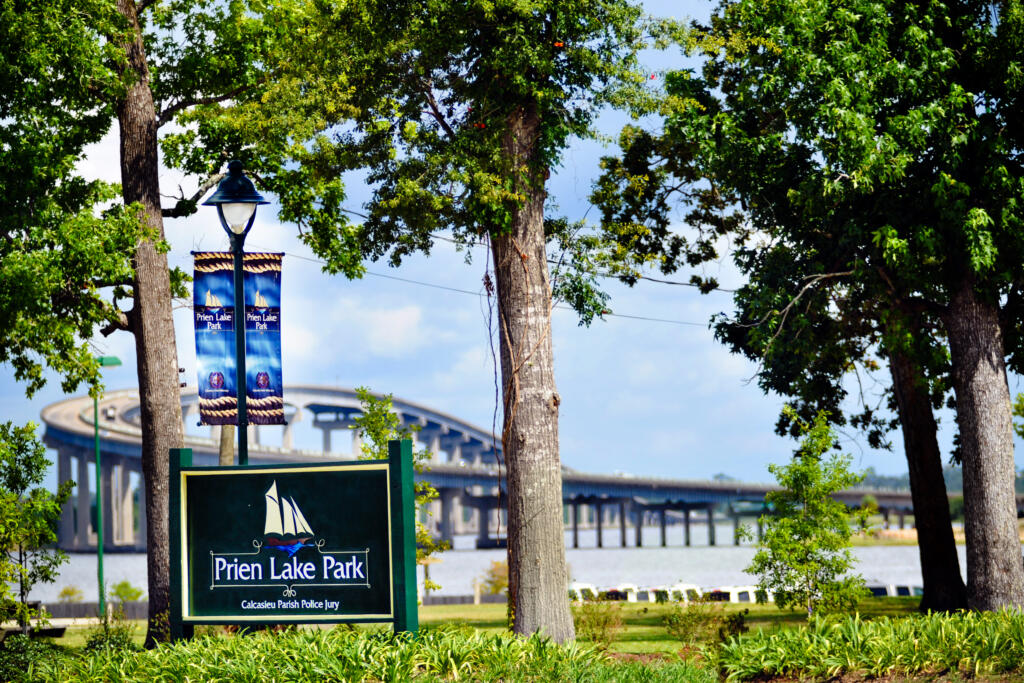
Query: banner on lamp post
point(214, 315)
point(263, 387)
point(213, 299)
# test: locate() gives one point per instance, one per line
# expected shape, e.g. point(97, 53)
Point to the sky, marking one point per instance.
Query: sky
point(647, 391)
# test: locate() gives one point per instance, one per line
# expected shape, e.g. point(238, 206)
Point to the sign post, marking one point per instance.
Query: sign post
point(404, 543)
point(288, 544)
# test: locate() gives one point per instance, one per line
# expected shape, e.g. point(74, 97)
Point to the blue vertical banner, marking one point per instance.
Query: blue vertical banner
point(264, 387)
point(213, 298)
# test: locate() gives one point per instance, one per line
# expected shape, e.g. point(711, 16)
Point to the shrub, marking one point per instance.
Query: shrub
point(113, 635)
point(19, 655)
point(695, 622)
point(124, 591)
point(804, 556)
point(733, 625)
point(598, 621)
point(70, 594)
point(495, 579)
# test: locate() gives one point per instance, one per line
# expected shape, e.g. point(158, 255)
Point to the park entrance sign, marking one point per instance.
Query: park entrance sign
point(331, 542)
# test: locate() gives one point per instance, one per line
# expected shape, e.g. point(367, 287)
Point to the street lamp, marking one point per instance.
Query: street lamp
point(236, 200)
point(105, 362)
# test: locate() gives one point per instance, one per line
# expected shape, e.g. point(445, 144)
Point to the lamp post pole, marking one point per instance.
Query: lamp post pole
point(236, 200)
point(104, 361)
point(237, 242)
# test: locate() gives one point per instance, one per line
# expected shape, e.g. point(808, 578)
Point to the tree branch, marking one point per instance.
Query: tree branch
point(810, 280)
point(122, 321)
point(910, 304)
point(143, 5)
point(186, 206)
point(435, 111)
point(167, 114)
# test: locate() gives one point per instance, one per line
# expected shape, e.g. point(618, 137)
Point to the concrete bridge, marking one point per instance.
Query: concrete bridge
point(465, 469)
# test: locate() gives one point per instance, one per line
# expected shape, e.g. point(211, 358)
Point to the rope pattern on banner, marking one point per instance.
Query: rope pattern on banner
point(265, 403)
point(252, 262)
point(215, 403)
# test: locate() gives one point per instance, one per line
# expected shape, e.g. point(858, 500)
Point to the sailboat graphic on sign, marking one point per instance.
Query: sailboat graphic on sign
point(285, 529)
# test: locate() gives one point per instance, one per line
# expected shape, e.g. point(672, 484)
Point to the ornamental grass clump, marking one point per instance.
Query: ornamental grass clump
point(345, 654)
point(966, 643)
point(336, 654)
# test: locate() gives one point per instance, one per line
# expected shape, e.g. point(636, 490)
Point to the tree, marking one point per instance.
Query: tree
point(891, 125)
point(459, 129)
point(379, 424)
point(901, 112)
point(57, 252)
point(69, 71)
point(787, 320)
point(28, 520)
point(804, 556)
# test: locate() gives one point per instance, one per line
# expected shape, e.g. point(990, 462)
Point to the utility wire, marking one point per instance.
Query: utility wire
point(661, 281)
point(480, 295)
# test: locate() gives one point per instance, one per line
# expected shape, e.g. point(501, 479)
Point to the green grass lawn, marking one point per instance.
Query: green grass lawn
point(643, 624)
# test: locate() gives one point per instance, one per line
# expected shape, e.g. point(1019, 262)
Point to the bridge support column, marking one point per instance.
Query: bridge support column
point(735, 529)
point(622, 524)
point(124, 531)
point(760, 528)
point(902, 518)
point(66, 529)
point(575, 524)
point(287, 442)
point(711, 525)
point(639, 526)
point(107, 482)
point(448, 498)
point(327, 439)
point(686, 527)
point(483, 534)
point(600, 523)
point(83, 535)
point(661, 519)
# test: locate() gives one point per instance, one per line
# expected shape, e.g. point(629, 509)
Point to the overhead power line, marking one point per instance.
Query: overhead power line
point(467, 292)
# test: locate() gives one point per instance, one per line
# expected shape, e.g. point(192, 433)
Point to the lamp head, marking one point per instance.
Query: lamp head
point(236, 200)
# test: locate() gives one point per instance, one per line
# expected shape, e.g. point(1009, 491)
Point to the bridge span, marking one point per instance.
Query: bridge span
point(465, 469)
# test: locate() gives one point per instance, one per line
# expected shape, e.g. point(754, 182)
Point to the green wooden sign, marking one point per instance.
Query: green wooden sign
point(332, 542)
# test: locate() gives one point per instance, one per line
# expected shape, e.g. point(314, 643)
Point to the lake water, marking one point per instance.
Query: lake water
point(700, 564)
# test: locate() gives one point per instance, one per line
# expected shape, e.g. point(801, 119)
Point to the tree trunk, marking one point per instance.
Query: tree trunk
point(538, 601)
point(151, 321)
point(226, 454)
point(944, 588)
point(995, 575)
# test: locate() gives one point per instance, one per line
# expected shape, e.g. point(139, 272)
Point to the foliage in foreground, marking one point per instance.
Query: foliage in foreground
point(347, 654)
point(18, 653)
point(969, 643)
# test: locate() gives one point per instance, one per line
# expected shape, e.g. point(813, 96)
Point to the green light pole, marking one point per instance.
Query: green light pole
point(105, 362)
point(236, 200)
